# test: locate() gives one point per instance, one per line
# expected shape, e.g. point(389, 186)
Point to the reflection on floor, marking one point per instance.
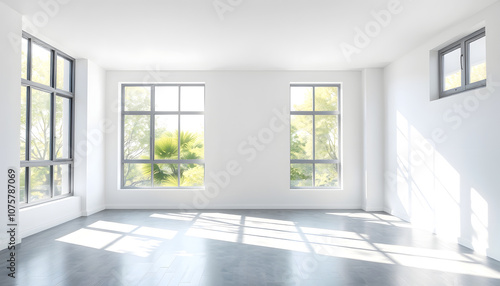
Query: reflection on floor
point(244, 247)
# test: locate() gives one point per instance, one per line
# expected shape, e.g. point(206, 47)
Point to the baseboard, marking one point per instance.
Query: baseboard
point(493, 254)
point(93, 211)
point(465, 242)
point(373, 208)
point(235, 207)
point(393, 213)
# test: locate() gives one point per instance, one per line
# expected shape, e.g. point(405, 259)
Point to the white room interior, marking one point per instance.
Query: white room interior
point(404, 150)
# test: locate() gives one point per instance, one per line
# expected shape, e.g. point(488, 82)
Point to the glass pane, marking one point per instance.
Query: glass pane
point(452, 71)
point(301, 175)
point(136, 137)
point(191, 137)
point(301, 98)
point(166, 139)
point(327, 175)
point(137, 175)
point(137, 98)
point(40, 125)
point(192, 98)
point(165, 175)
point(327, 137)
point(22, 185)
point(61, 180)
point(24, 58)
point(40, 64)
point(326, 98)
point(39, 183)
point(301, 137)
point(64, 72)
point(62, 127)
point(22, 131)
point(192, 175)
point(167, 98)
point(477, 60)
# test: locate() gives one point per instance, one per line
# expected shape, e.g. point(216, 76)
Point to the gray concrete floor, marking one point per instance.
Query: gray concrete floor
point(244, 247)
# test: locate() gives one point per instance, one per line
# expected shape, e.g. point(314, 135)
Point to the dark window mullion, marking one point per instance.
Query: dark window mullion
point(52, 151)
point(71, 131)
point(51, 183)
point(152, 132)
point(122, 123)
point(26, 129)
point(28, 67)
point(73, 71)
point(52, 155)
point(152, 166)
point(54, 69)
point(463, 64)
point(27, 184)
point(314, 138)
point(179, 137)
point(28, 124)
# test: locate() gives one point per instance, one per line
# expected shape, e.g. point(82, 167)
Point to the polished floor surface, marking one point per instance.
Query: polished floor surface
point(244, 247)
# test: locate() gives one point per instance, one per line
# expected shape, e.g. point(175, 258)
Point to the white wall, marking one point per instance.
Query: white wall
point(89, 136)
point(373, 147)
point(442, 163)
point(44, 216)
point(10, 74)
point(239, 105)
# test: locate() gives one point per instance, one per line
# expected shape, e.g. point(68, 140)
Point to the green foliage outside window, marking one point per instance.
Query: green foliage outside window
point(323, 128)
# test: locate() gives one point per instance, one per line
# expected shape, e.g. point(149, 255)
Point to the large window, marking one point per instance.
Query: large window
point(462, 65)
point(47, 96)
point(163, 136)
point(314, 136)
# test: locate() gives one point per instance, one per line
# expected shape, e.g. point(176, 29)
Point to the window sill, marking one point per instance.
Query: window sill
point(162, 190)
point(315, 189)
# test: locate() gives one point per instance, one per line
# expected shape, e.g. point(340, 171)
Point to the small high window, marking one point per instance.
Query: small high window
point(462, 65)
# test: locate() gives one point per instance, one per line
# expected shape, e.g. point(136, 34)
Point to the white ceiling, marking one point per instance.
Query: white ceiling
point(254, 35)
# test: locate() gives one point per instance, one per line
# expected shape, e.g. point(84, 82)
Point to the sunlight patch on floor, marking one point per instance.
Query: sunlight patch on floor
point(451, 266)
point(113, 226)
point(216, 226)
point(119, 237)
point(90, 238)
point(222, 234)
point(351, 253)
point(155, 232)
point(176, 216)
point(138, 246)
point(273, 224)
point(424, 252)
point(280, 242)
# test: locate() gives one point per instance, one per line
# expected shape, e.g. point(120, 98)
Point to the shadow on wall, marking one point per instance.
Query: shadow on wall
point(432, 194)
